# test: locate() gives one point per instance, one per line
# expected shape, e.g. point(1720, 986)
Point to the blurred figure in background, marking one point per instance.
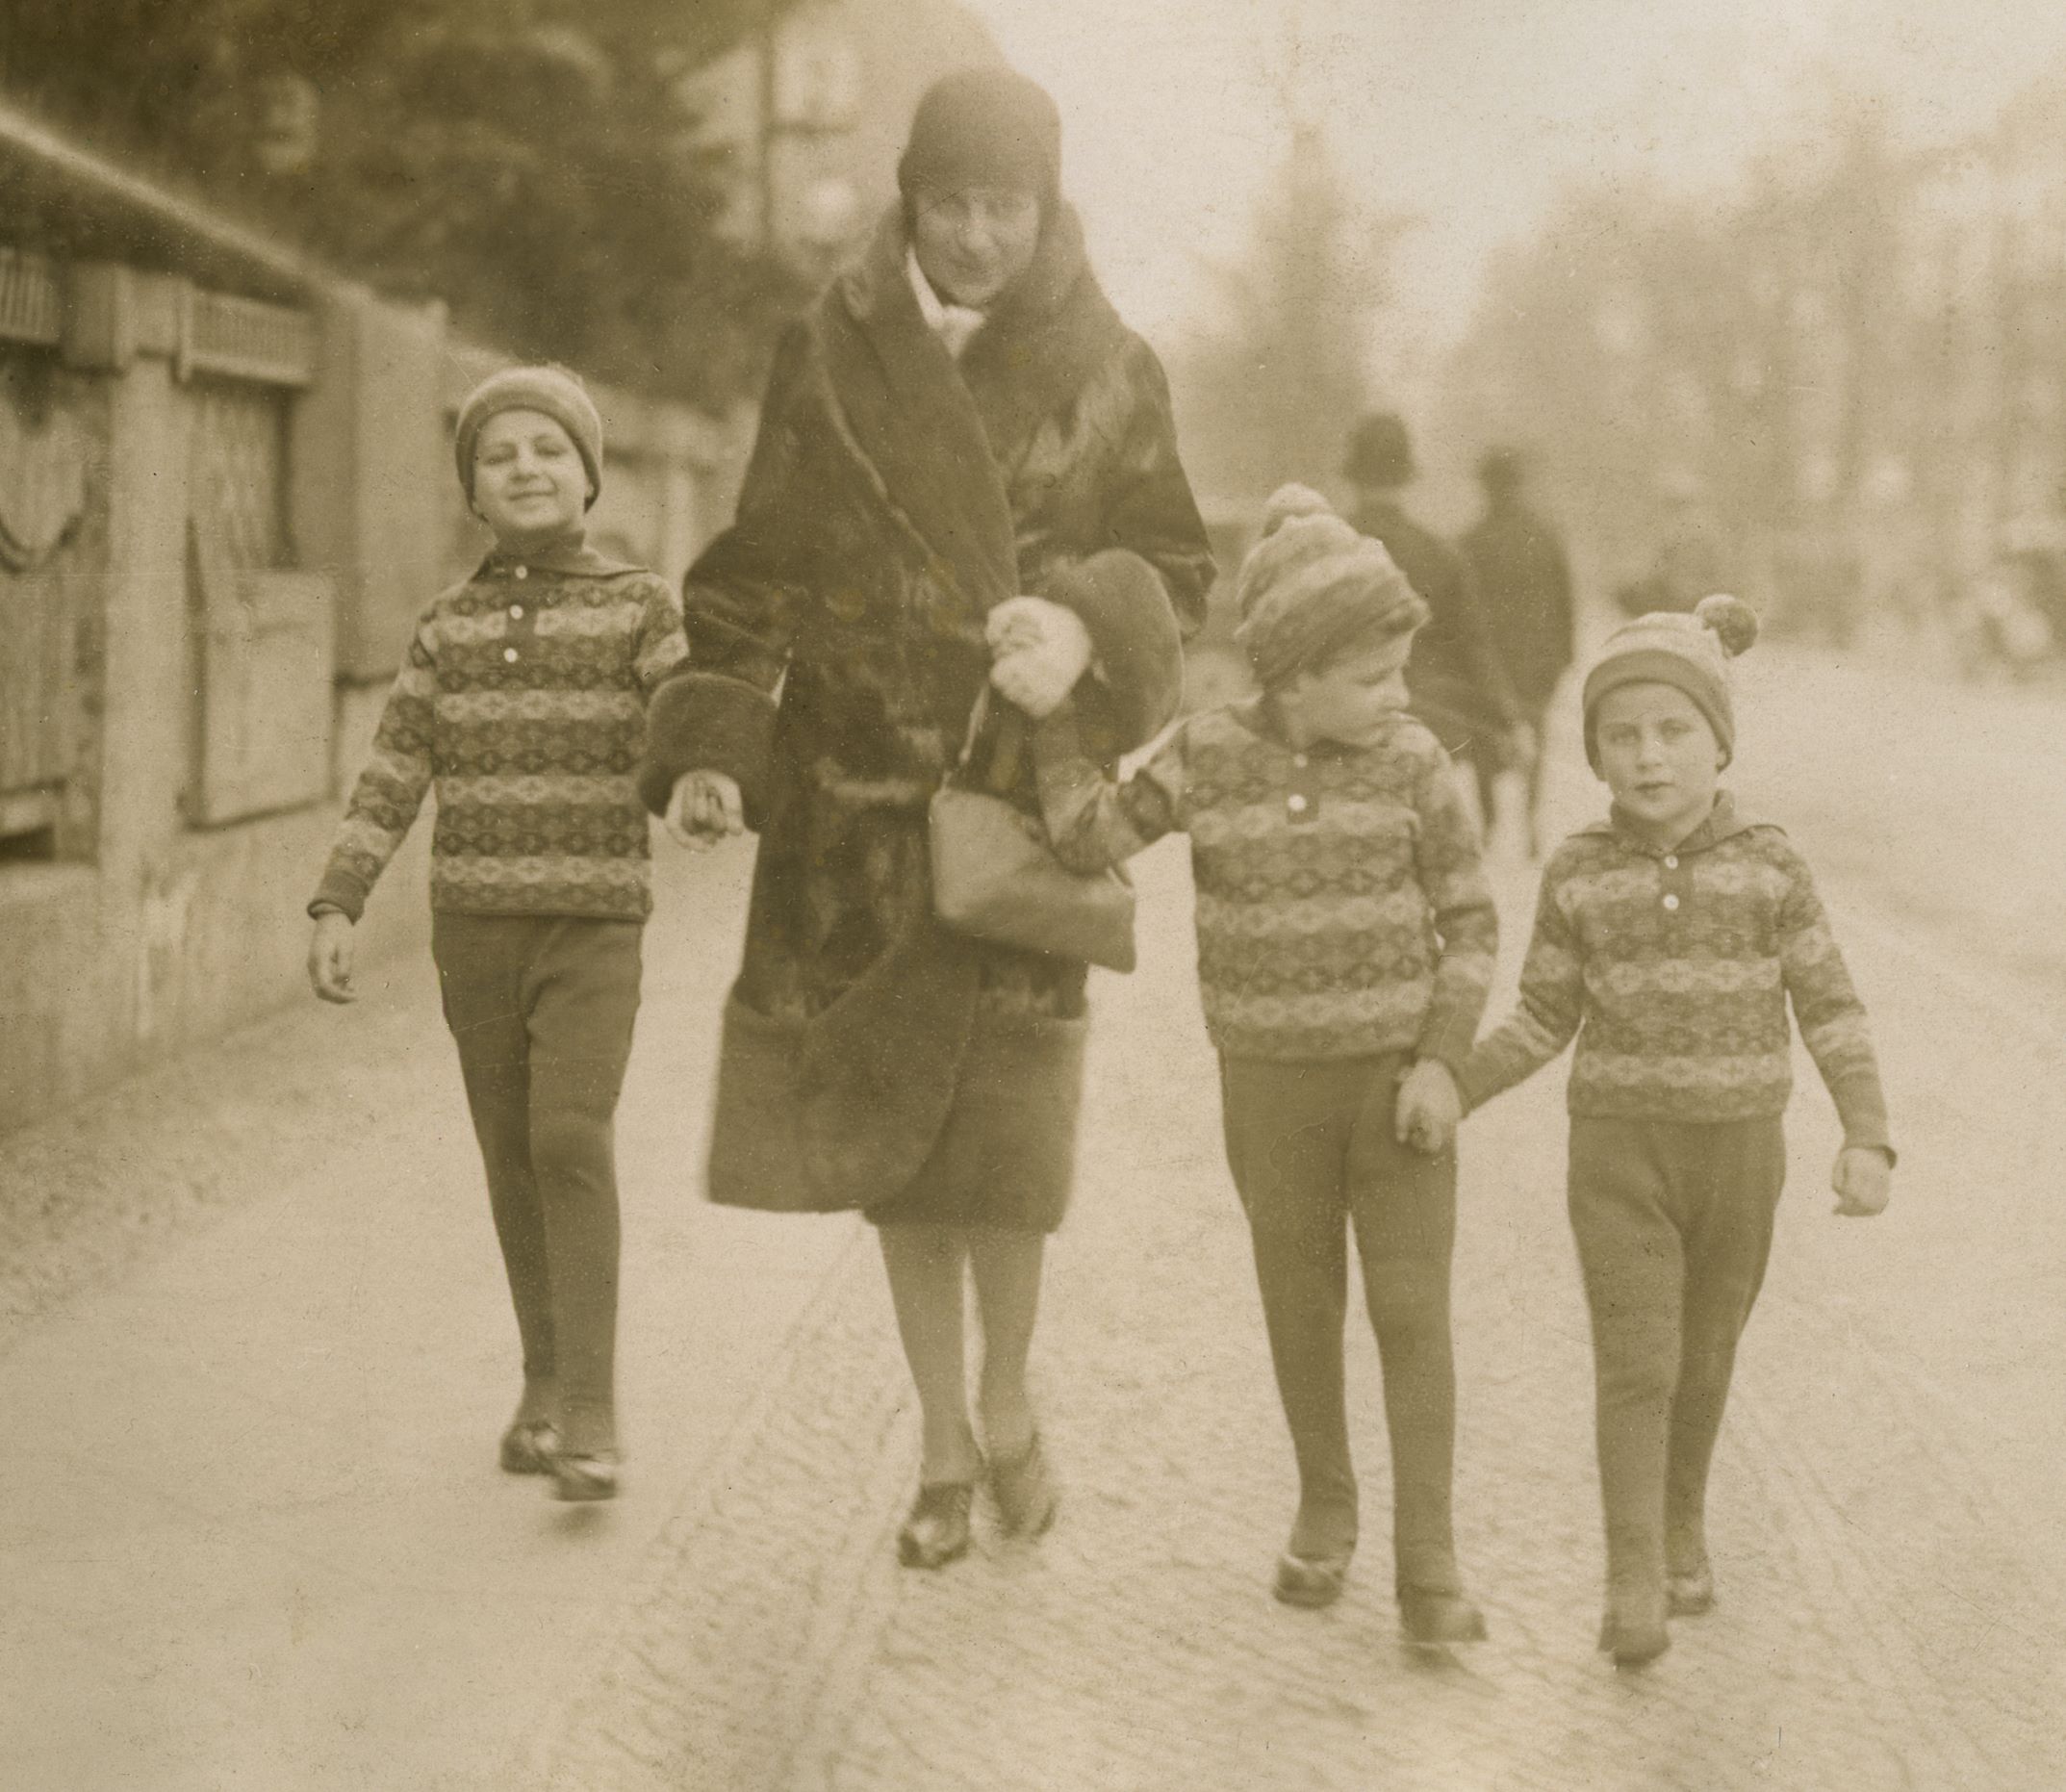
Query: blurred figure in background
point(1458, 687)
point(1524, 580)
point(2000, 629)
point(1693, 553)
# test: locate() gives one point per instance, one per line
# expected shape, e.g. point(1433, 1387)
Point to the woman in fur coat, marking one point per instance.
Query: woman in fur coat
point(966, 475)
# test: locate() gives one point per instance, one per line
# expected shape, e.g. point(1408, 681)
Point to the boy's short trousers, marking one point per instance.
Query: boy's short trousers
point(554, 996)
point(1660, 1205)
point(1308, 1138)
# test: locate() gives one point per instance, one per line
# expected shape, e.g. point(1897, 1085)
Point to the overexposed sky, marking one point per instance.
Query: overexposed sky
point(1472, 115)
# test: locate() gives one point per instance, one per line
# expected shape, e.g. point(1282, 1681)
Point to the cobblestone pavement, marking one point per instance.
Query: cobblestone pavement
point(255, 1353)
point(1885, 1515)
point(102, 1189)
point(266, 1547)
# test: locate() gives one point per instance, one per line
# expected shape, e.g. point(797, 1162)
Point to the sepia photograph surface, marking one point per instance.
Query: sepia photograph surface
point(632, 1157)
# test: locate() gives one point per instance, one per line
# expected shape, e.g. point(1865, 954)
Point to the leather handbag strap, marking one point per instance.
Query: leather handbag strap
point(1006, 751)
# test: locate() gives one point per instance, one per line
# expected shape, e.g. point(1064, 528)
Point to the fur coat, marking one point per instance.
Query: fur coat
point(837, 653)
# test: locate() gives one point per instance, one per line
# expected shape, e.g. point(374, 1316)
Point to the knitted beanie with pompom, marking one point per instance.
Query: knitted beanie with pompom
point(1691, 653)
point(1312, 589)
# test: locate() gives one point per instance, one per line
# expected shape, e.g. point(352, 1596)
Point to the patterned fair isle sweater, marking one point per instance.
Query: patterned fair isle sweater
point(1342, 908)
point(1673, 970)
point(523, 701)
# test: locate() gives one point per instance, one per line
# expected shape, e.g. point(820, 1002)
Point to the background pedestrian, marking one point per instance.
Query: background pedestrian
point(1458, 685)
point(1517, 562)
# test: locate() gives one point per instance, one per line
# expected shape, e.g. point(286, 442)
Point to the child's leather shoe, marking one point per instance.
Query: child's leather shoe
point(1633, 1638)
point(936, 1531)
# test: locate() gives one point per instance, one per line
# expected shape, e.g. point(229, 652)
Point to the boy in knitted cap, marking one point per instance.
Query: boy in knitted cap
point(523, 701)
point(1345, 945)
point(1668, 939)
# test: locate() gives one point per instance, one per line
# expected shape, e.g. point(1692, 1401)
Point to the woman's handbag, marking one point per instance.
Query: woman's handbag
point(995, 877)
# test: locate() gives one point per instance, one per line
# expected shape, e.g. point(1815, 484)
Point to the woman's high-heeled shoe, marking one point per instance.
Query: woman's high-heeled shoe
point(1312, 1582)
point(1026, 1491)
point(525, 1446)
point(577, 1477)
point(935, 1531)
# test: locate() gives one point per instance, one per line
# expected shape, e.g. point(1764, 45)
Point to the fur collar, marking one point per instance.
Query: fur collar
point(937, 436)
point(1038, 343)
point(906, 415)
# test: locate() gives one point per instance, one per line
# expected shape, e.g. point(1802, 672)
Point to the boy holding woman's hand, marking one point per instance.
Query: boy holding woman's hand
point(1668, 939)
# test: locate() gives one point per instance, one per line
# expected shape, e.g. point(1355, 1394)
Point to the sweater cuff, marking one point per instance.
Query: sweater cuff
point(1862, 1107)
point(1447, 1039)
point(1473, 1083)
point(342, 892)
point(700, 721)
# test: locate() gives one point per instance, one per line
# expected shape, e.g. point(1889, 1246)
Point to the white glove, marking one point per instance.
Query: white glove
point(1041, 650)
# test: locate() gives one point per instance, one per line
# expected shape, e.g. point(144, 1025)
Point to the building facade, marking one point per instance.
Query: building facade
point(809, 114)
point(225, 490)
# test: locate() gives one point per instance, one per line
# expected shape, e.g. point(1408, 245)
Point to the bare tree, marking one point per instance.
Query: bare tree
point(531, 162)
point(1270, 393)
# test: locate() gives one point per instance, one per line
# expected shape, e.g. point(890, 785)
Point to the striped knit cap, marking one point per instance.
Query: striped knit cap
point(550, 391)
point(1691, 653)
point(1312, 589)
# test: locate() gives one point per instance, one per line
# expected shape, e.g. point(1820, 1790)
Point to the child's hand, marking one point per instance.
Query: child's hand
point(1429, 1107)
point(704, 808)
point(330, 958)
point(1863, 1181)
point(1041, 647)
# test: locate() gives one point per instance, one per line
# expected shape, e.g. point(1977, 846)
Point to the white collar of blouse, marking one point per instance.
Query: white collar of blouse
point(952, 324)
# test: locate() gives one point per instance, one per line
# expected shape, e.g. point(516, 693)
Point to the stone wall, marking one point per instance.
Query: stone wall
point(218, 522)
